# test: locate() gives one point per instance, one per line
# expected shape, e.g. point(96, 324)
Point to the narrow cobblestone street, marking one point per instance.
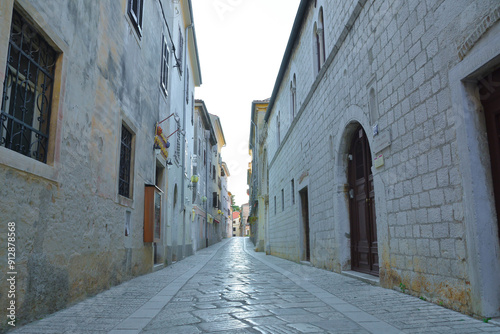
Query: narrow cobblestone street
point(228, 288)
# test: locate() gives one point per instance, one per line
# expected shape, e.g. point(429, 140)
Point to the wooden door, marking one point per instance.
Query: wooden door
point(489, 90)
point(364, 247)
point(306, 245)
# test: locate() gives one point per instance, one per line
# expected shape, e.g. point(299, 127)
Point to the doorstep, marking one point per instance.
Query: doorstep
point(370, 279)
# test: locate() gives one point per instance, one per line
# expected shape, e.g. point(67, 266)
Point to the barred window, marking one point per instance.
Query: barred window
point(27, 93)
point(135, 13)
point(125, 163)
point(164, 66)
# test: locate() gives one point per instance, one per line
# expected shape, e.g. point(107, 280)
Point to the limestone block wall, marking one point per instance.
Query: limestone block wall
point(404, 51)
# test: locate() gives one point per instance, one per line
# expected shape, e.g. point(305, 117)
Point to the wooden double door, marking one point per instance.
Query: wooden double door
point(489, 91)
point(364, 246)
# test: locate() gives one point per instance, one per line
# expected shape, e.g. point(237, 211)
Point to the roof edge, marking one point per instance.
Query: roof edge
point(297, 25)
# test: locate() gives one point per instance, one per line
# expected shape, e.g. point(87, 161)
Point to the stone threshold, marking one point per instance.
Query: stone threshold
point(158, 266)
point(367, 278)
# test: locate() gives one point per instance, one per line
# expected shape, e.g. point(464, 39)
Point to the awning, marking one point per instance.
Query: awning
point(215, 220)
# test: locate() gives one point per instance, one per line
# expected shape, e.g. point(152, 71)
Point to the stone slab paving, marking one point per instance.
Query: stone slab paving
point(228, 288)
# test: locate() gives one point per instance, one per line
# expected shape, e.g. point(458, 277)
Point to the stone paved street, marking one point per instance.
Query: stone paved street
point(228, 288)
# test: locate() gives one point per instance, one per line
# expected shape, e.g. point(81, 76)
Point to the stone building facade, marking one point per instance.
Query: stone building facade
point(216, 200)
point(204, 141)
point(226, 215)
point(382, 146)
point(257, 176)
point(96, 146)
point(209, 192)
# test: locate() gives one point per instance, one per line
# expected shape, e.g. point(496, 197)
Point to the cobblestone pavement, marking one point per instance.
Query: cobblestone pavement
point(228, 288)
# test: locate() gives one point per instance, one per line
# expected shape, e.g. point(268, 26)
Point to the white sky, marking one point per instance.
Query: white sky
point(241, 44)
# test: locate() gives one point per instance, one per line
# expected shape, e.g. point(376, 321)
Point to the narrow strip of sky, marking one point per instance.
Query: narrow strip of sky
point(241, 44)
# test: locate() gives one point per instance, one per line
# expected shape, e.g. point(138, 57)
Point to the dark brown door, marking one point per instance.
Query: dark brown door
point(489, 90)
point(364, 247)
point(306, 248)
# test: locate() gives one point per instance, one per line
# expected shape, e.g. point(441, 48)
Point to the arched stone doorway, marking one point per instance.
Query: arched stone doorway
point(364, 245)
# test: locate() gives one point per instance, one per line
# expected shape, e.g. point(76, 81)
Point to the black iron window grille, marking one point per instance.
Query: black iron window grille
point(27, 92)
point(125, 159)
point(135, 14)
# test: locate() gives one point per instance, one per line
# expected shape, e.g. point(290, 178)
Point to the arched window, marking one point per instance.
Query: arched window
point(278, 139)
point(321, 38)
point(319, 42)
point(293, 96)
point(373, 106)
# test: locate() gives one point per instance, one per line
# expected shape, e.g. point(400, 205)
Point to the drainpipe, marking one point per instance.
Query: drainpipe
point(184, 144)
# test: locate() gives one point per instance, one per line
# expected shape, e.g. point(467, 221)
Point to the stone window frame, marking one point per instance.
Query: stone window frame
point(278, 129)
point(124, 149)
point(275, 206)
point(293, 96)
point(8, 157)
point(282, 199)
point(135, 9)
point(165, 66)
point(25, 115)
point(475, 168)
point(319, 53)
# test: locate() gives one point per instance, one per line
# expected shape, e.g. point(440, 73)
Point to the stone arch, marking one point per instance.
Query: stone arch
point(352, 118)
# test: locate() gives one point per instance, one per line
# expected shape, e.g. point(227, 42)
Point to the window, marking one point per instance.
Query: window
point(165, 56)
point(179, 55)
point(319, 42)
point(275, 205)
point(187, 91)
point(292, 193)
point(293, 97)
point(192, 109)
point(27, 95)
point(278, 128)
point(215, 199)
point(135, 14)
point(125, 163)
point(373, 106)
point(282, 200)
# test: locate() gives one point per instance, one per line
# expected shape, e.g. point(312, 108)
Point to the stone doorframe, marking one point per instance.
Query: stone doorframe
point(480, 221)
point(353, 117)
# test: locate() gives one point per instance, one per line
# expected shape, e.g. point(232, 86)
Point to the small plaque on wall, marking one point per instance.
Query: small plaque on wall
point(378, 161)
point(382, 141)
